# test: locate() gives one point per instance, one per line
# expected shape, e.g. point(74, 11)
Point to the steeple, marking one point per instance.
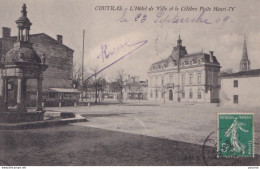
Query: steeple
point(244, 63)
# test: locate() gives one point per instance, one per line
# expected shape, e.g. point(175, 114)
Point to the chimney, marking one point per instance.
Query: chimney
point(211, 56)
point(6, 32)
point(59, 39)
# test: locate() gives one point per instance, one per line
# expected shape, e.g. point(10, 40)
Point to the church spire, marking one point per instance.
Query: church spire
point(244, 63)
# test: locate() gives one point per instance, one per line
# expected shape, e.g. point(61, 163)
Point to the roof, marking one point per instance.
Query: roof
point(43, 34)
point(249, 73)
point(22, 54)
point(161, 61)
point(65, 90)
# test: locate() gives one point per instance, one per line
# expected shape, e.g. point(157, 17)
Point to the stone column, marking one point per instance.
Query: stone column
point(22, 39)
point(39, 95)
point(2, 94)
point(6, 93)
point(18, 36)
point(21, 108)
point(28, 36)
point(2, 85)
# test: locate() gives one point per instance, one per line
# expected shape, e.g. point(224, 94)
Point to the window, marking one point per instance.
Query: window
point(191, 94)
point(183, 79)
point(10, 86)
point(162, 81)
point(235, 99)
point(183, 94)
point(156, 93)
point(151, 94)
point(156, 81)
point(235, 83)
point(199, 94)
point(198, 61)
point(162, 94)
point(191, 77)
point(171, 79)
point(199, 77)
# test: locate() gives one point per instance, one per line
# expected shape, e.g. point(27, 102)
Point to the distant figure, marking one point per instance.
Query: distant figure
point(237, 146)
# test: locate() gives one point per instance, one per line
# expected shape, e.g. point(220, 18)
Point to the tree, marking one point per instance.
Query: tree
point(226, 71)
point(76, 75)
point(98, 82)
point(120, 84)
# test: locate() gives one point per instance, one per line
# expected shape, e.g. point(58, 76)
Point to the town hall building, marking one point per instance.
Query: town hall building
point(183, 77)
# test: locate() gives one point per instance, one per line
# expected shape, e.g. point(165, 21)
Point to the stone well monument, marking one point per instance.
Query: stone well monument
point(19, 64)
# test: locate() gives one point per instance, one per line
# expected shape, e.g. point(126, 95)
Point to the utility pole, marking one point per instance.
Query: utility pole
point(82, 68)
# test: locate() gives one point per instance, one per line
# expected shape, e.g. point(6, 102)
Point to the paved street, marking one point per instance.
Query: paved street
point(136, 133)
point(190, 123)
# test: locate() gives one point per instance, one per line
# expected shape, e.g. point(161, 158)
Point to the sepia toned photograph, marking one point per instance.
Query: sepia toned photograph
point(129, 83)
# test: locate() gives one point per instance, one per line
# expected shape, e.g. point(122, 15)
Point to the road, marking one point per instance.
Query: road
point(136, 133)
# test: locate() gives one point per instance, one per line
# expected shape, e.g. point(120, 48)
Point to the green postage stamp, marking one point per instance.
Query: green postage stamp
point(235, 135)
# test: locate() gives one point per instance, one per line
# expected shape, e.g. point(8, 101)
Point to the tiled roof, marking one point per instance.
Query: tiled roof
point(254, 72)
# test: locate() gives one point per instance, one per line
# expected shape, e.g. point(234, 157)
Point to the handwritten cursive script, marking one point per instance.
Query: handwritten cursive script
point(163, 18)
point(106, 53)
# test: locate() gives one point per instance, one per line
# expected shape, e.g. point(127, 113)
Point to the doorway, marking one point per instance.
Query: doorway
point(170, 95)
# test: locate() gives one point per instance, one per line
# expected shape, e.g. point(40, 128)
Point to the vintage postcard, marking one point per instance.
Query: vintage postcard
point(129, 83)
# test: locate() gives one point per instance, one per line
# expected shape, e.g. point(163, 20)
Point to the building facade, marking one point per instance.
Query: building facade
point(57, 83)
point(235, 89)
point(183, 77)
point(241, 88)
point(135, 89)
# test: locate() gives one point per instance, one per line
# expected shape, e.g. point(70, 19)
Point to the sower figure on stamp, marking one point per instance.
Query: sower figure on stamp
point(237, 146)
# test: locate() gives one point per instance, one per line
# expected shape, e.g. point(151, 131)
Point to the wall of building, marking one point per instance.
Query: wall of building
point(248, 91)
point(197, 90)
point(59, 58)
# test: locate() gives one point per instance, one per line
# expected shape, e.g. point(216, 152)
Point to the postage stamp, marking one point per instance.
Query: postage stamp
point(235, 135)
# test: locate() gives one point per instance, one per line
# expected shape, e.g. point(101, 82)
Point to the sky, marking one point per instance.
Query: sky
point(132, 46)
